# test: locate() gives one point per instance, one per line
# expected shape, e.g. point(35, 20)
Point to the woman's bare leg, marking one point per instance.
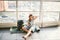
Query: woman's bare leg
point(23, 28)
point(29, 33)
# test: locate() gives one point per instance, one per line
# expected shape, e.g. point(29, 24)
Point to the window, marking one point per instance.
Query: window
point(20, 10)
point(28, 7)
point(51, 6)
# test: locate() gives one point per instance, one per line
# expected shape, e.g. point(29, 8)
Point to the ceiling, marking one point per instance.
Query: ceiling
point(36, 0)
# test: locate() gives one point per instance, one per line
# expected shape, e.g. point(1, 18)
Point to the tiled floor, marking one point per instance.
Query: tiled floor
point(44, 34)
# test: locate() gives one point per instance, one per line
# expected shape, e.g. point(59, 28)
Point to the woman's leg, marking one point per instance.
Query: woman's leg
point(29, 33)
point(23, 28)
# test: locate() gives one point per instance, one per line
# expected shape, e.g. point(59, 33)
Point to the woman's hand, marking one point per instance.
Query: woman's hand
point(34, 17)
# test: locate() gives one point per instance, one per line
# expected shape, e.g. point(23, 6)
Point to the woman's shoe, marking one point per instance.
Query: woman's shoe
point(37, 30)
point(24, 38)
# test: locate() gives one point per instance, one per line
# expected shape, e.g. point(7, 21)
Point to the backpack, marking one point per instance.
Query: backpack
point(20, 24)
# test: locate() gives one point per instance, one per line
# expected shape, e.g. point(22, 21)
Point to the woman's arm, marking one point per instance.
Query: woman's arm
point(34, 17)
point(28, 24)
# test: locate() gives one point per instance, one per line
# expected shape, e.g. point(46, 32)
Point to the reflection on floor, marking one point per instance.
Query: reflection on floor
point(44, 34)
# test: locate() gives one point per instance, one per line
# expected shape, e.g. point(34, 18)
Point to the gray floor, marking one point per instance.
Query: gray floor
point(44, 34)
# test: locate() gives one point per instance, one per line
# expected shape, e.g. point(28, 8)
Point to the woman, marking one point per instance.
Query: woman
point(30, 27)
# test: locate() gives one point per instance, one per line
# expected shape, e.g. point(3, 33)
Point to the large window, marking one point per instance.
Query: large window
point(8, 15)
point(50, 11)
point(28, 7)
point(10, 5)
point(19, 10)
point(50, 16)
point(51, 6)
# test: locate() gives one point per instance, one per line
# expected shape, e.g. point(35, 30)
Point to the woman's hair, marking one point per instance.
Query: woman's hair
point(30, 15)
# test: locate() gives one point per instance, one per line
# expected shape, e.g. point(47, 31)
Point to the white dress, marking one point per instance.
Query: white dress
point(32, 26)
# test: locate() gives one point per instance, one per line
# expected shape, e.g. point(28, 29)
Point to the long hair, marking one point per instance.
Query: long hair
point(29, 17)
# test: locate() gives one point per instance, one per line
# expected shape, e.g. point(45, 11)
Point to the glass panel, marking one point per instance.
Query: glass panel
point(28, 5)
point(10, 5)
point(50, 16)
point(8, 17)
point(25, 15)
point(51, 6)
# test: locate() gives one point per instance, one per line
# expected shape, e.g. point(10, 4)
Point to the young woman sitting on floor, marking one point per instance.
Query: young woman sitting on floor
point(30, 27)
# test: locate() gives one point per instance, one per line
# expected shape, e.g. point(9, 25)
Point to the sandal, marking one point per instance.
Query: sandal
point(24, 38)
